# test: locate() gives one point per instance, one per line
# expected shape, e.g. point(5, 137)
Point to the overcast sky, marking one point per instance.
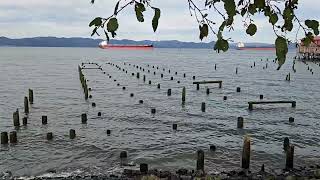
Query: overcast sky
point(70, 18)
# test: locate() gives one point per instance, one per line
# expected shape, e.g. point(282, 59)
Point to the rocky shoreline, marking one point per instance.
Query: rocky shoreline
point(311, 172)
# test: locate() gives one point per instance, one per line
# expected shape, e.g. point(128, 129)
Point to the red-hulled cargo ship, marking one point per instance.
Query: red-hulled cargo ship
point(105, 45)
point(241, 46)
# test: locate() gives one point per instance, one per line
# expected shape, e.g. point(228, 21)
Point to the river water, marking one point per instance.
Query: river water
point(52, 74)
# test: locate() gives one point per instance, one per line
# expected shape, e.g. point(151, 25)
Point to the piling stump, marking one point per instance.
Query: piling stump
point(203, 107)
point(140, 101)
point(108, 131)
point(31, 96)
point(143, 168)
point(245, 162)
point(84, 118)
point(289, 157)
point(261, 96)
point(25, 121)
point(200, 160)
point(16, 121)
point(286, 143)
point(4, 138)
point(13, 137)
point(169, 92)
point(240, 122)
point(149, 81)
point(183, 94)
point(72, 133)
point(291, 119)
point(131, 94)
point(93, 104)
point(225, 98)
point(174, 126)
point(159, 86)
point(208, 91)
point(238, 89)
point(44, 120)
point(99, 114)
point(26, 105)
point(153, 110)
point(49, 136)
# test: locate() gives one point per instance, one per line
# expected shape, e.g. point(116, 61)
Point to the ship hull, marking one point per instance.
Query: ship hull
point(257, 48)
point(142, 47)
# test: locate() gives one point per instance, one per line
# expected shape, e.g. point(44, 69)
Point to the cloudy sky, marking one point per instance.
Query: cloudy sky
point(70, 18)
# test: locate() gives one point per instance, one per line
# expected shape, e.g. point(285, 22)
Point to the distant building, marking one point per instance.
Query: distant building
point(310, 52)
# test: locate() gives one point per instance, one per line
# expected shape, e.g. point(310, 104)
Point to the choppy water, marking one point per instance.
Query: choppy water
point(52, 73)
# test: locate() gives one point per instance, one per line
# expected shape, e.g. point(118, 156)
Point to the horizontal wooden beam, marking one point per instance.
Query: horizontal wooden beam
point(293, 103)
point(207, 82)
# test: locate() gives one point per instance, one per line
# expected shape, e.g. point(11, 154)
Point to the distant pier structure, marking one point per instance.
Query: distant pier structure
point(310, 52)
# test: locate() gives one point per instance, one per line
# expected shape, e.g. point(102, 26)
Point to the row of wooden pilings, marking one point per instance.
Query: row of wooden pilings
point(245, 159)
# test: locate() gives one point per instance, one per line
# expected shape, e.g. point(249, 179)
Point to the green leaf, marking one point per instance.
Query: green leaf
point(139, 8)
point(252, 29)
point(230, 7)
point(314, 25)
point(243, 12)
point(260, 3)
point(273, 19)
point(155, 20)
point(252, 9)
point(116, 8)
point(97, 22)
point(221, 44)
point(204, 31)
point(112, 25)
point(281, 50)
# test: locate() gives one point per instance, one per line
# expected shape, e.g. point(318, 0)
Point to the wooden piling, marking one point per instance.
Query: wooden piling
point(108, 131)
point(13, 137)
point(238, 89)
point(169, 92)
point(245, 162)
point(144, 78)
point(138, 75)
point(213, 148)
point(31, 96)
point(26, 105)
point(4, 138)
point(149, 81)
point(225, 98)
point(236, 70)
point(131, 94)
point(143, 168)
point(16, 121)
point(123, 154)
point(184, 94)
point(198, 86)
point(184, 75)
point(193, 77)
point(240, 122)
point(208, 91)
point(25, 121)
point(49, 136)
point(158, 86)
point(291, 119)
point(261, 96)
point(286, 143)
point(215, 66)
point(174, 126)
point(93, 104)
point(289, 157)
point(200, 160)
point(140, 101)
point(203, 107)
point(153, 110)
point(171, 78)
point(84, 118)
point(161, 75)
point(99, 114)
point(44, 120)
point(123, 88)
point(72, 133)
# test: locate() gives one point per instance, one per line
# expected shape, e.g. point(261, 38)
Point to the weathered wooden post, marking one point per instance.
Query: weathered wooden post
point(144, 78)
point(84, 118)
point(123, 157)
point(149, 81)
point(143, 168)
point(169, 92)
point(171, 78)
point(123, 88)
point(254, 64)
point(236, 70)
point(176, 73)
point(4, 138)
point(108, 131)
point(31, 96)
point(225, 98)
point(44, 120)
point(208, 91)
point(183, 94)
point(261, 96)
point(193, 77)
point(153, 110)
point(154, 73)
point(26, 105)
point(13, 137)
point(25, 121)
point(291, 119)
point(49, 136)
point(238, 89)
point(159, 86)
point(198, 86)
point(140, 101)
point(215, 66)
point(72, 133)
point(240, 122)
point(245, 162)
point(93, 104)
point(161, 75)
point(286, 143)
point(99, 114)
point(138, 75)
point(203, 107)
point(200, 160)
point(289, 157)
point(174, 126)
point(131, 94)
point(16, 121)
point(184, 75)
point(213, 148)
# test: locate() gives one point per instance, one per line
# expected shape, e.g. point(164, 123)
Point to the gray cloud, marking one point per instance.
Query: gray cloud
point(70, 18)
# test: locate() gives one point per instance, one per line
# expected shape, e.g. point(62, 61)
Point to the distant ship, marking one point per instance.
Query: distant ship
point(241, 46)
point(105, 45)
